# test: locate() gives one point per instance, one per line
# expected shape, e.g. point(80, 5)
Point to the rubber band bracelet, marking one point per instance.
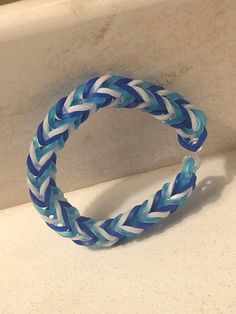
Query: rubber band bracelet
point(67, 115)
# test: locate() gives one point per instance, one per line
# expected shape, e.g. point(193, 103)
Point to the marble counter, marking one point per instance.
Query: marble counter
point(187, 265)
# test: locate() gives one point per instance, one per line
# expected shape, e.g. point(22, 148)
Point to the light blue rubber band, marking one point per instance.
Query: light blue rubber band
point(67, 115)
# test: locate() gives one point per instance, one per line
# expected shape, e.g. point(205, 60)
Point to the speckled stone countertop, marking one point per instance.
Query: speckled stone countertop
point(186, 266)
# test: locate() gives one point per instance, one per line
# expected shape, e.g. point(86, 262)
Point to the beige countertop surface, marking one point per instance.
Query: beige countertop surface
point(187, 265)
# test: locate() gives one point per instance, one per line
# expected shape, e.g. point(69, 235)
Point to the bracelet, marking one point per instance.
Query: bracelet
point(67, 115)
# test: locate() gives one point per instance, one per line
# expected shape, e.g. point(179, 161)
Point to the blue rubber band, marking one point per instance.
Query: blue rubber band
point(68, 114)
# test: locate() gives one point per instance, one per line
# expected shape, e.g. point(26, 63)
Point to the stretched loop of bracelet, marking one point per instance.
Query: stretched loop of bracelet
point(68, 114)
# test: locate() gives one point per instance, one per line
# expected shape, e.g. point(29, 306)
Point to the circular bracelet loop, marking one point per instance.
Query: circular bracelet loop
point(67, 115)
